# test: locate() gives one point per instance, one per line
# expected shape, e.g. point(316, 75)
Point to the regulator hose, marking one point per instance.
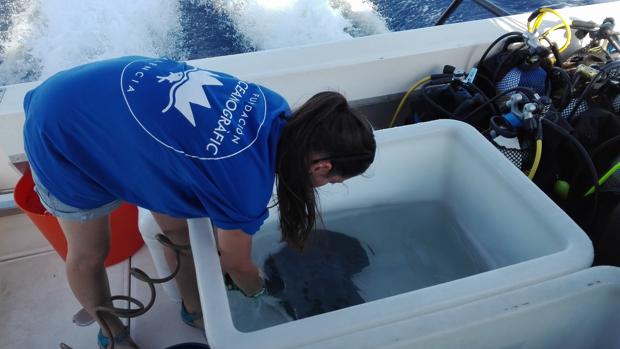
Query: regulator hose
point(594, 154)
point(538, 153)
point(404, 99)
point(502, 37)
point(568, 90)
point(587, 160)
point(537, 17)
point(586, 92)
point(526, 90)
point(503, 62)
point(605, 177)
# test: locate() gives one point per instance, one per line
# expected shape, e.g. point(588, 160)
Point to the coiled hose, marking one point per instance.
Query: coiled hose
point(142, 276)
point(537, 17)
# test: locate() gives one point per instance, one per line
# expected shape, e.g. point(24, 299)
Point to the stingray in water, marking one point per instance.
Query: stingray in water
point(317, 280)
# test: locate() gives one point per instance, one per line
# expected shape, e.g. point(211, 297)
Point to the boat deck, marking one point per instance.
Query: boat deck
point(38, 306)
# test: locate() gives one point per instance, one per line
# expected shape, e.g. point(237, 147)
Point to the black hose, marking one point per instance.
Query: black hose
point(604, 145)
point(486, 98)
point(587, 160)
point(600, 148)
point(449, 114)
point(571, 117)
point(526, 90)
point(435, 105)
point(503, 61)
point(493, 88)
point(568, 90)
point(556, 52)
point(486, 52)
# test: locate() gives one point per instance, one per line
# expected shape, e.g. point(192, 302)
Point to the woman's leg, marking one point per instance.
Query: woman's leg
point(88, 245)
point(177, 231)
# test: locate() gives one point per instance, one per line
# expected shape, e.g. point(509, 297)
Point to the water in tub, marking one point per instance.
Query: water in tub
point(361, 255)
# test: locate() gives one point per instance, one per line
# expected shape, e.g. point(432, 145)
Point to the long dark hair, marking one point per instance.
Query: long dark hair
point(325, 126)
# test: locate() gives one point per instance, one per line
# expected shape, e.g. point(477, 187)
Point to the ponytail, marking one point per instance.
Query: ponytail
point(325, 125)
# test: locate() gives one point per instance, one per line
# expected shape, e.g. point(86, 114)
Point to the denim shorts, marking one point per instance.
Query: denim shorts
point(64, 211)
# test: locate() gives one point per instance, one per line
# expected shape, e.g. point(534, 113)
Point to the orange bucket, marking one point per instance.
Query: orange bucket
point(125, 239)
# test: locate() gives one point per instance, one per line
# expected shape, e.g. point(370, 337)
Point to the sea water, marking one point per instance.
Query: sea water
point(409, 247)
point(41, 37)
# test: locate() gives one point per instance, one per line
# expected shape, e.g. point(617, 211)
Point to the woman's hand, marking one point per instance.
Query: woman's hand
point(231, 286)
point(236, 257)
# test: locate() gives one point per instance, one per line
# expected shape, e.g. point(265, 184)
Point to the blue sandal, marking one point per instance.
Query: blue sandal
point(190, 318)
point(119, 339)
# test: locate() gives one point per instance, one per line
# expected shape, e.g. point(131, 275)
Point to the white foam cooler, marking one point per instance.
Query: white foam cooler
point(519, 234)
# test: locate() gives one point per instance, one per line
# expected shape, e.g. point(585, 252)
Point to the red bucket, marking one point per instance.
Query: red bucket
point(125, 239)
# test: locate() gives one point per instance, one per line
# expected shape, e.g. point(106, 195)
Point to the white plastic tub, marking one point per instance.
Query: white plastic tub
point(577, 311)
point(507, 231)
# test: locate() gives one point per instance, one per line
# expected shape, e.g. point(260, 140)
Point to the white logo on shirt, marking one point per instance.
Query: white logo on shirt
point(223, 115)
point(185, 91)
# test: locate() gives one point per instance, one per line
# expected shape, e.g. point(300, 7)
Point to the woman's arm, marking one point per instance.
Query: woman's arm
point(235, 248)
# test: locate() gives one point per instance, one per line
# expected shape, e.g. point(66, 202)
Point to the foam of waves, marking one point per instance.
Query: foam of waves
point(41, 37)
point(269, 24)
point(15, 64)
point(46, 36)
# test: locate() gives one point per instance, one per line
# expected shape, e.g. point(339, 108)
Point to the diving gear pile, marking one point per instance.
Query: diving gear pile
point(552, 107)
